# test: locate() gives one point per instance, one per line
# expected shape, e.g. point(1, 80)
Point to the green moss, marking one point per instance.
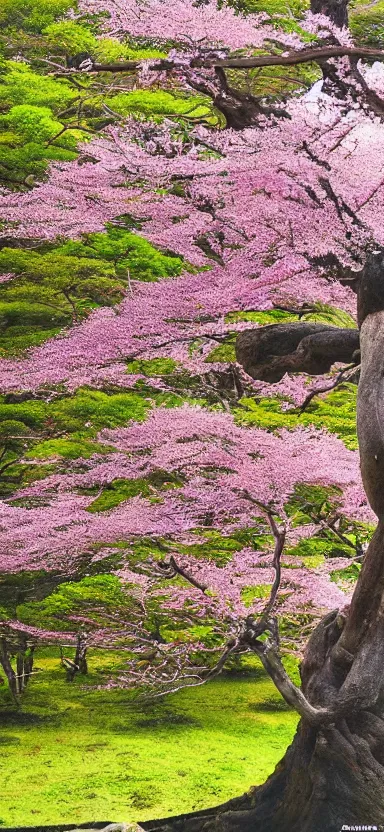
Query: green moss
point(271, 316)
point(97, 753)
point(19, 587)
point(96, 409)
point(32, 15)
point(71, 413)
point(216, 547)
point(99, 594)
point(158, 104)
point(152, 367)
point(335, 411)
point(220, 548)
point(120, 490)
point(30, 413)
point(367, 25)
point(23, 162)
point(19, 339)
point(249, 594)
point(346, 578)
point(32, 134)
point(58, 285)
point(79, 417)
point(315, 550)
point(293, 9)
point(319, 313)
point(18, 315)
point(26, 474)
point(111, 49)
point(127, 252)
point(117, 492)
point(24, 324)
point(71, 37)
point(224, 353)
point(323, 314)
point(67, 449)
point(19, 84)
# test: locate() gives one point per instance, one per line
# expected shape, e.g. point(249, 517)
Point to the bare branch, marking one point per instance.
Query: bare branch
point(169, 569)
point(344, 375)
point(291, 59)
point(272, 663)
point(263, 622)
point(182, 572)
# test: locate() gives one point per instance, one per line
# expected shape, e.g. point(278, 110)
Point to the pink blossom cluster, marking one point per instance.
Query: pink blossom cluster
point(253, 215)
point(260, 209)
point(301, 588)
point(222, 468)
point(323, 27)
point(185, 21)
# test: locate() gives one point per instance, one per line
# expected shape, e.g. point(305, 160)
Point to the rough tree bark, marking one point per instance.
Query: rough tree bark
point(336, 10)
point(267, 353)
point(333, 773)
point(79, 663)
point(239, 109)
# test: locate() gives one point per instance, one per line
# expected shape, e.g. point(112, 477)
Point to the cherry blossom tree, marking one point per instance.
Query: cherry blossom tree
point(266, 205)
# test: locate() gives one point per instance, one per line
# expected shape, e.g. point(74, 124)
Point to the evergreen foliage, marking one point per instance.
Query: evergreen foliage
point(335, 411)
point(60, 285)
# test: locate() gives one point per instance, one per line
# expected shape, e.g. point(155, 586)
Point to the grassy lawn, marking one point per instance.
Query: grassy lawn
point(80, 755)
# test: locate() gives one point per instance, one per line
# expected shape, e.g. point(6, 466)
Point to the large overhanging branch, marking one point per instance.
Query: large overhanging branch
point(316, 55)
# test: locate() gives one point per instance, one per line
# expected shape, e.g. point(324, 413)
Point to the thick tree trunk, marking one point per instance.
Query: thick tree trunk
point(333, 773)
point(336, 10)
point(329, 777)
point(239, 109)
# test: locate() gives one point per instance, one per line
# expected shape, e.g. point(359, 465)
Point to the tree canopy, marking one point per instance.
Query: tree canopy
point(184, 228)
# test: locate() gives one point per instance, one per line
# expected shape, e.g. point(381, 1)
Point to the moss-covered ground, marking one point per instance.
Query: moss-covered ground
point(73, 755)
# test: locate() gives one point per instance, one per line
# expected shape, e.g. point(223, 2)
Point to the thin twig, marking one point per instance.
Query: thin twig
point(263, 622)
point(171, 568)
point(339, 380)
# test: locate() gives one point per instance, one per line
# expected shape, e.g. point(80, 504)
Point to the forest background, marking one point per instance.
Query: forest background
point(145, 476)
